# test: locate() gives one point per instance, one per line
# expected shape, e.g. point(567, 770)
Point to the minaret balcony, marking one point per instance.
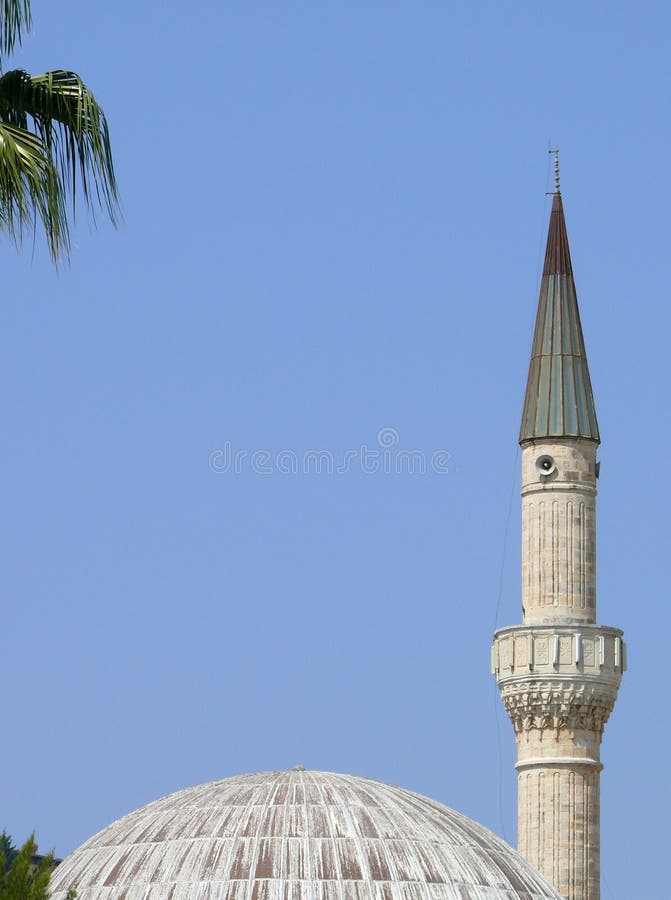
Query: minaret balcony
point(559, 678)
point(597, 651)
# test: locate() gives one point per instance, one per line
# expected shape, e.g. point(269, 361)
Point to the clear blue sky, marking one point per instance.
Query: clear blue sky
point(334, 221)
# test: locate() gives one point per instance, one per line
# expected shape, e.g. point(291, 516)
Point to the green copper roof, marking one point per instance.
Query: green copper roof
point(559, 400)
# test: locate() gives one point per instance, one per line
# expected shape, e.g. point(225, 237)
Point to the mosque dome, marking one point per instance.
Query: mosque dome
point(297, 835)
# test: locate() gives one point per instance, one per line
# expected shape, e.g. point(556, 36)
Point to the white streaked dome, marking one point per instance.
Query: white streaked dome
point(298, 835)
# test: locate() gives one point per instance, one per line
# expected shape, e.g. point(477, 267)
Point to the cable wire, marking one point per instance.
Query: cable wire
point(504, 555)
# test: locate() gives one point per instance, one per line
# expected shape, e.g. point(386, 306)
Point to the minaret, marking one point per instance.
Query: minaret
point(559, 672)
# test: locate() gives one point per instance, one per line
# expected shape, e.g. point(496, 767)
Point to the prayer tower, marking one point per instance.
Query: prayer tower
point(559, 671)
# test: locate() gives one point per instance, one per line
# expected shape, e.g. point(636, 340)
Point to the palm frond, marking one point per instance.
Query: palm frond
point(72, 125)
point(15, 18)
point(31, 189)
point(72, 131)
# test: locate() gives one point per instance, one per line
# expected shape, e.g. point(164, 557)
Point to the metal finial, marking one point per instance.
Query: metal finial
point(556, 155)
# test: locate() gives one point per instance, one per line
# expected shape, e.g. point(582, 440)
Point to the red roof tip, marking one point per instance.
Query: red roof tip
point(557, 254)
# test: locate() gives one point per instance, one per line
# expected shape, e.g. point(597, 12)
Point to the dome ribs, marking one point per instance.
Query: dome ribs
point(300, 835)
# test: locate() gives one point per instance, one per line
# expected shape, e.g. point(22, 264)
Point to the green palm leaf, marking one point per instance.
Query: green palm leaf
point(31, 189)
point(67, 127)
point(54, 145)
point(15, 18)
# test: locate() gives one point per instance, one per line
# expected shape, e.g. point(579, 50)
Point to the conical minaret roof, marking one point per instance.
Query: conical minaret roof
point(559, 400)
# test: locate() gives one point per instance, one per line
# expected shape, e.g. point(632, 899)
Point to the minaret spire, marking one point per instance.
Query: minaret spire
point(559, 400)
point(559, 672)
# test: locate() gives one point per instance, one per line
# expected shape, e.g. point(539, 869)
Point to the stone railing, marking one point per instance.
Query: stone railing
point(558, 676)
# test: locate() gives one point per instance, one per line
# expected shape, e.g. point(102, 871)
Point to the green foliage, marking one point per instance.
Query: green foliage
point(8, 851)
point(23, 879)
point(15, 18)
point(54, 142)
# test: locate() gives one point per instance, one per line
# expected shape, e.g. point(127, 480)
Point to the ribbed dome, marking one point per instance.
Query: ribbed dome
point(297, 835)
